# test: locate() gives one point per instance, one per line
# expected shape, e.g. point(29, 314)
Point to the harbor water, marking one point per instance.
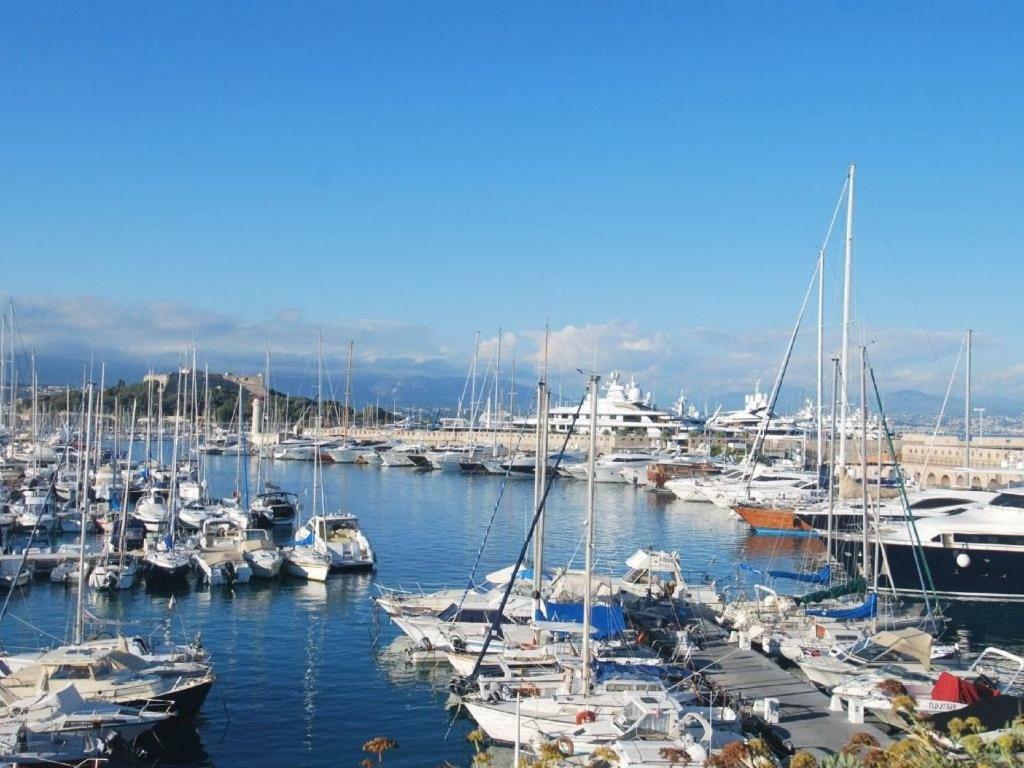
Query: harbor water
point(307, 673)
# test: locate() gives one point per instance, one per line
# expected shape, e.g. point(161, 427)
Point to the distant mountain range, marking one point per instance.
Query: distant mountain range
point(435, 389)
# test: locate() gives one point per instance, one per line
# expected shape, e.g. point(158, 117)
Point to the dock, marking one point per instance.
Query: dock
point(806, 721)
point(44, 562)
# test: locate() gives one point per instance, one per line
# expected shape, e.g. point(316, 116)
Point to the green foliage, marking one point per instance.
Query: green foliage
point(282, 410)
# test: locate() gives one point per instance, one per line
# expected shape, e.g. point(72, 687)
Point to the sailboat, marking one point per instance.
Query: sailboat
point(168, 559)
point(581, 713)
point(118, 569)
point(303, 558)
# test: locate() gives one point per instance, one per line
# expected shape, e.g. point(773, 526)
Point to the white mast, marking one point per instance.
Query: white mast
point(539, 484)
point(127, 486)
point(588, 598)
point(319, 418)
point(348, 387)
point(99, 414)
point(864, 458)
point(173, 489)
point(967, 409)
point(847, 292)
point(831, 468)
point(819, 460)
point(35, 414)
point(472, 392)
point(83, 504)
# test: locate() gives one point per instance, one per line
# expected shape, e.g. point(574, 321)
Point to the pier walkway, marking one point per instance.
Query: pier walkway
point(806, 721)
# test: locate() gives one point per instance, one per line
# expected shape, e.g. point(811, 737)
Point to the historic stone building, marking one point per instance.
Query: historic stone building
point(940, 462)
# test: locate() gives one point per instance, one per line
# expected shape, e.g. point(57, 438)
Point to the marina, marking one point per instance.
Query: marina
point(560, 385)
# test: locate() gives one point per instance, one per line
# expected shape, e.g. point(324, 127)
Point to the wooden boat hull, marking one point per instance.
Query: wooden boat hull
point(774, 521)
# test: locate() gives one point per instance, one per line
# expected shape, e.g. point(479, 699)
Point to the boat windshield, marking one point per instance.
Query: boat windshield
point(1015, 500)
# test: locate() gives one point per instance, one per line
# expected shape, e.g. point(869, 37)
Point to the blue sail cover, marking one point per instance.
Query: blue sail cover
point(607, 620)
point(862, 611)
point(818, 577)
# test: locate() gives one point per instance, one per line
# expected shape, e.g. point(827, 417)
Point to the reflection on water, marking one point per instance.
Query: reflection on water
point(306, 672)
point(786, 547)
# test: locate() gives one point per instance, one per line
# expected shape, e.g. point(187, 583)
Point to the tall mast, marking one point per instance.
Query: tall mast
point(195, 421)
point(35, 414)
point(588, 598)
point(83, 504)
point(832, 467)
point(172, 491)
point(160, 422)
point(866, 564)
point(241, 444)
point(206, 414)
point(967, 409)
point(847, 293)
point(472, 395)
point(497, 396)
point(539, 483)
point(348, 387)
point(819, 460)
point(319, 417)
point(99, 414)
point(149, 424)
point(127, 484)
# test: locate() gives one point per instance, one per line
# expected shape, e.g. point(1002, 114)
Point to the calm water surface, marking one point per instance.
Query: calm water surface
point(307, 672)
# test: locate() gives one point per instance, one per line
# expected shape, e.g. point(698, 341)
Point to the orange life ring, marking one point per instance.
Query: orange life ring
point(565, 746)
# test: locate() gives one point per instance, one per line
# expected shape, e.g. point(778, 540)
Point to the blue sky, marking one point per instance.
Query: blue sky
point(655, 176)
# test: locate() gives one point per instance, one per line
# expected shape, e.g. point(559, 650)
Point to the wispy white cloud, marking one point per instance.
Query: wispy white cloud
point(703, 359)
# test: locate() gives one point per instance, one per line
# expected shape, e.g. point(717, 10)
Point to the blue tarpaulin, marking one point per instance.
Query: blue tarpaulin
point(607, 670)
point(818, 577)
point(607, 620)
point(862, 611)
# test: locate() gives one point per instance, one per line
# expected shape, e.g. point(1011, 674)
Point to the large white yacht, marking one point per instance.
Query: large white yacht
point(621, 409)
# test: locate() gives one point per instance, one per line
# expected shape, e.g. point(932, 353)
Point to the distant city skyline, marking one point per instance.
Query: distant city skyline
point(653, 181)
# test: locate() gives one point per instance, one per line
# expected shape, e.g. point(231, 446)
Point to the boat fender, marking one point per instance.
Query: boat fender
point(229, 571)
point(565, 746)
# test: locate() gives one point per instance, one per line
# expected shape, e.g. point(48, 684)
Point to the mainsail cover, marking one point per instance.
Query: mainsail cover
point(851, 587)
point(817, 577)
point(863, 611)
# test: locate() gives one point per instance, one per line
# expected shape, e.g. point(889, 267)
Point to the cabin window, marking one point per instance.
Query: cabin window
point(938, 502)
point(1008, 500)
point(989, 538)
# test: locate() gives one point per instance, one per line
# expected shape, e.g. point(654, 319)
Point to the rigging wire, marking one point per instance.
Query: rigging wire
point(942, 411)
point(490, 523)
point(493, 626)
